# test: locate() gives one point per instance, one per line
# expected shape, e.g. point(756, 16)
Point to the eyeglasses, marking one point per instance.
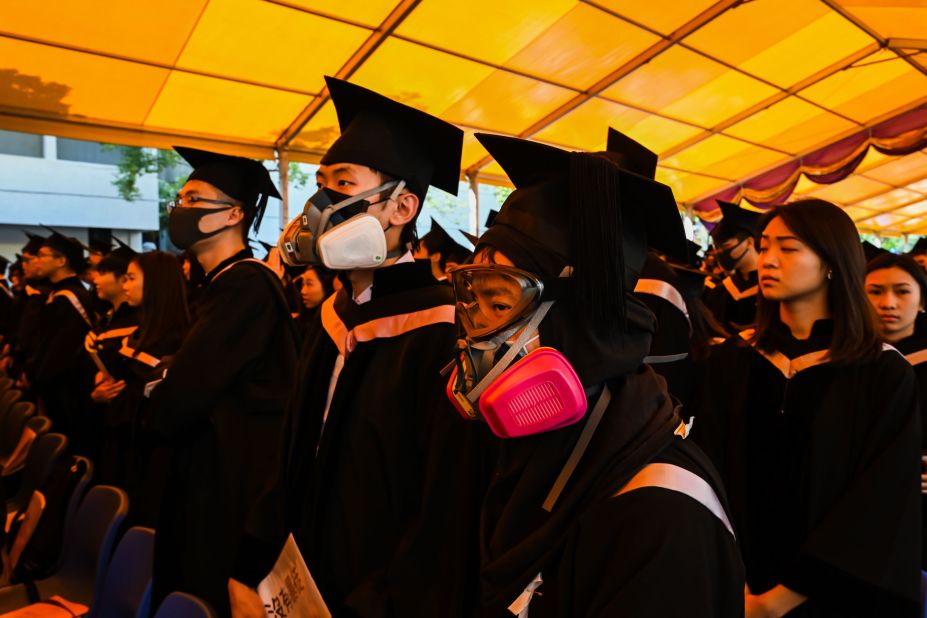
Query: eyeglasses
point(190, 201)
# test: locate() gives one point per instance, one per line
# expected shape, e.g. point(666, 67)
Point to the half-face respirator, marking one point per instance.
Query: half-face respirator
point(336, 230)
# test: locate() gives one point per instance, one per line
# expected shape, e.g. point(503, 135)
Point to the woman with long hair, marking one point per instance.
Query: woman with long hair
point(813, 424)
point(154, 283)
point(897, 288)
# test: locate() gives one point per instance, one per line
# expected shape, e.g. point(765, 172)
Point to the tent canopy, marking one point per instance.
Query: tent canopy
point(723, 90)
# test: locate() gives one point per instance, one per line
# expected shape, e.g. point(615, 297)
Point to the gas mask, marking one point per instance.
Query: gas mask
point(335, 230)
point(493, 379)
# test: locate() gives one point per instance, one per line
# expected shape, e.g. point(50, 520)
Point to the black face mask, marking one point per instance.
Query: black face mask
point(726, 259)
point(183, 225)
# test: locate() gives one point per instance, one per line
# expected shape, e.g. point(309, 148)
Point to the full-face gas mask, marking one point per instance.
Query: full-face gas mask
point(336, 230)
point(494, 379)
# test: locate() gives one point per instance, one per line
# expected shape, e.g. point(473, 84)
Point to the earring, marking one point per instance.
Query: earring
point(830, 274)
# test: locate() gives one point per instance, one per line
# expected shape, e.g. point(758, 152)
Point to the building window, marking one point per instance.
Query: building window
point(22, 144)
point(87, 152)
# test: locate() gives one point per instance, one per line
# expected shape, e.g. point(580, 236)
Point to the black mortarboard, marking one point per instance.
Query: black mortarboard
point(871, 251)
point(450, 242)
point(694, 259)
point(734, 219)
point(473, 238)
point(101, 246)
point(631, 155)
point(665, 231)
point(4, 262)
point(578, 209)
point(245, 180)
point(71, 248)
point(919, 247)
point(395, 139)
point(33, 244)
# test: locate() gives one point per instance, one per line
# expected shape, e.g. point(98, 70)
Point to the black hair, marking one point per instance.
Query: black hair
point(905, 263)
point(115, 264)
point(164, 299)
point(828, 231)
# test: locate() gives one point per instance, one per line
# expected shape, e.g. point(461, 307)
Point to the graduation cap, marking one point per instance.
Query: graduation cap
point(449, 242)
point(694, 259)
point(244, 180)
point(578, 209)
point(871, 251)
point(919, 247)
point(473, 238)
point(71, 248)
point(33, 243)
point(101, 246)
point(4, 262)
point(490, 217)
point(123, 250)
point(395, 139)
point(631, 155)
point(665, 231)
point(734, 219)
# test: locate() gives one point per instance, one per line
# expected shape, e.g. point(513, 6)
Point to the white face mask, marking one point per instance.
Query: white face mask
point(359, 242)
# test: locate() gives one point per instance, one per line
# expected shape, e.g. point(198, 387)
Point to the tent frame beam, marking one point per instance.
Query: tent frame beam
point(376, 38)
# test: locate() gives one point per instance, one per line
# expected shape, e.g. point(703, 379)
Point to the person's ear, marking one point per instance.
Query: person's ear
point(235, 215)
point(407, 205)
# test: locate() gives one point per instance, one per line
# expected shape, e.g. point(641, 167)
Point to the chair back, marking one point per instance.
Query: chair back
point(183, 605)
point(127, 576)
point(88, 545)
point(45, 451)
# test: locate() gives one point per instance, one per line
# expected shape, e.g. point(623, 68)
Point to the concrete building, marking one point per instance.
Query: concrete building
point(68, 184)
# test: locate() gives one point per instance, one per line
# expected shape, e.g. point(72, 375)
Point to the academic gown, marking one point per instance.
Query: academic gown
point(914, 349)
point(659, 289)
point(649, 553)
point(822, 470)
point(107, 338)
point(222, 408)
point(733, 301)
point(6, 311)
point(59, 369)
point(383, 493)
point(27, 309)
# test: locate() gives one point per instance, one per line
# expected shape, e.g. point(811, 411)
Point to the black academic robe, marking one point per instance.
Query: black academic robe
point(27, 309)
point(733, 301)
point(659, 288)
point(107, 338)
point(652, 552)
point(6, 312)
point(822, 470)
point(222, 409)
point(131, 456)
point(382, 494)
point(914, 349)
point(59, 369)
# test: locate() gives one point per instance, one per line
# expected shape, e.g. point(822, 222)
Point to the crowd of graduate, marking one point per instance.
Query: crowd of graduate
point(574, 416)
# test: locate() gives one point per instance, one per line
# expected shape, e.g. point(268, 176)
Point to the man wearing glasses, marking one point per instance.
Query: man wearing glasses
point(221, 402)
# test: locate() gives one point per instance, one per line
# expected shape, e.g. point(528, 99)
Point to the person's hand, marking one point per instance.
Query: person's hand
point(754, 607)
point(245, 601)
point(107, 390)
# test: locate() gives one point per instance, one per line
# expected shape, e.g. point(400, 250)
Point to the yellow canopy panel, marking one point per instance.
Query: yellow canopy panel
point(723, 91)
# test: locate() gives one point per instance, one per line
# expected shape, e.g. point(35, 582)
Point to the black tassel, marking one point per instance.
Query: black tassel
point(259, 211)
point(596, 234)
